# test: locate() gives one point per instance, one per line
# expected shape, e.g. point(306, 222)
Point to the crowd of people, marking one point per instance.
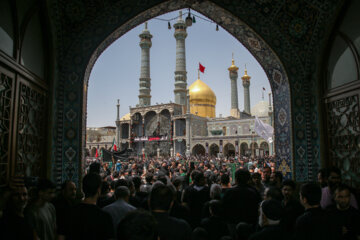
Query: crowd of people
point(199, 198)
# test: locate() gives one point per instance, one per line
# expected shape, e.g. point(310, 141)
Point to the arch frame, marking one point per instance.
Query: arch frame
point(82, 54)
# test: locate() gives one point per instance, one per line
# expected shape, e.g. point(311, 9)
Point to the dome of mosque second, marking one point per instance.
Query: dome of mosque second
point(202, 99)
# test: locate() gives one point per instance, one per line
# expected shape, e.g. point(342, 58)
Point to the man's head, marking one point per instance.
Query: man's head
point(198, 178)
point(242, 176)
point(334, 179)
point(92, 185)
point(215, 191)
point(272, 193)
point(270, 213)
point(342, 197)
point(46, 190)
point(149, 178)
point(288, 188)
point(161, 198)
point(215, 208)
point(122, 193)
point(310, 195)
point(68, 190)
point(18, 198)
point(266, 173)
point(323, 177)
point(256, 178)
point(276, 178)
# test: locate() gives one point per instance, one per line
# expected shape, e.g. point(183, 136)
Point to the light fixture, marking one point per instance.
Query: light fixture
point(217, 27)
point(169, 25)
point(188, 20)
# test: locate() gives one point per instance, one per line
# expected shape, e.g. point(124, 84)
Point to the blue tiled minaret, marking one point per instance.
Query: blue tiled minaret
point(180, 70)
point(145, 80)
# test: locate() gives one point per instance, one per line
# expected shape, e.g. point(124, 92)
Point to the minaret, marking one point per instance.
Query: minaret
point(117, 122)
point(233, 74)
point(246, 85)
point(180, 70)
point(145, 80)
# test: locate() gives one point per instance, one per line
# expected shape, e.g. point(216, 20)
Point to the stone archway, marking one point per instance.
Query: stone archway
point(214, 149)
point(244, 149)
point(82, 54)
point(198, 149)
point(229, 150)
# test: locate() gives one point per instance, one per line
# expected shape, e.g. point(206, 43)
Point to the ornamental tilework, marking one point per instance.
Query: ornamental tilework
point(284, 36)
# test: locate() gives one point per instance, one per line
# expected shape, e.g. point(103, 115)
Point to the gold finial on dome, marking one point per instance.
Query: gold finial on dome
point(202, 99)
point(233, 67)
point(246, 76)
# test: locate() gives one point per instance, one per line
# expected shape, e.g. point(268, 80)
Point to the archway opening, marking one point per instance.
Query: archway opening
point(272, 66)
point(198, 150)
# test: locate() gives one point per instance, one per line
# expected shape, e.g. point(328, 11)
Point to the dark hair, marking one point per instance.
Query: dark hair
point(45, 184)
point(121, 182)
point(137, 225)
point(244, 230)
point(199, 233)
point(177, 182)
point(91, 184)
point(312, 192)
point(105, 187)
point(278, 175)
point(122, 192)
point(215, 206)
point(161, 197)
point(274, 193)
point(324, 173)
point(334, 170)
point(224, 179)
point(242, 176)
point(94, 168)
point(149, 177)
point(343, 187)
point(256, 175)
point(137, 182)
point(290, 183)
point(197, 177)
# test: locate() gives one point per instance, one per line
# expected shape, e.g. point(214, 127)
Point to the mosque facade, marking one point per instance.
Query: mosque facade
point(189, 125)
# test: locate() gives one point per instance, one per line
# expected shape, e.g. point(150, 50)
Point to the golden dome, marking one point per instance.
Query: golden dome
point(126, 117)
point(202, 99)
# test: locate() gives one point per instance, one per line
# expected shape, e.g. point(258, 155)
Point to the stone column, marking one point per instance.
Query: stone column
point(130, 133)
point(246, 85)
point(143, 134)
point(180, 70)
point(188, 123)
point(145, 80)
point(233, 74)
point(118, 126)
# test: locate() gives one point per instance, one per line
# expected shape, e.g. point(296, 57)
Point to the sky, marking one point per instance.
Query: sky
point(116, 72)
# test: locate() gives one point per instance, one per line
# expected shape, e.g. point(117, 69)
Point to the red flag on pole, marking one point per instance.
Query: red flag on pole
point(96, 154)
point(201, 68)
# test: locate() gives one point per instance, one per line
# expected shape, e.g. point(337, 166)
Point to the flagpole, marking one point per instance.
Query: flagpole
point(198, 73)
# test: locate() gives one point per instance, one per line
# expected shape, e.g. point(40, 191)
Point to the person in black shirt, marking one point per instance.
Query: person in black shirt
point(292, 208)
point(64, 202)
point(215, 225)
point(195, 196)
point(313, 224)
point(87, 221)
point(161, 200)
point(137, 225)
point(345, 219)
point(12, 223)
point(241, 202)
point(269, 221)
